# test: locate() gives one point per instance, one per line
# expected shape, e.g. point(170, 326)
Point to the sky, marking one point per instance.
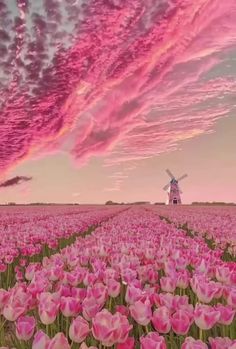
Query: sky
point(99, 97)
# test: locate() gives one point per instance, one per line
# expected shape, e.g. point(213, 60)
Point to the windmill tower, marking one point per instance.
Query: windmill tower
point(173, 189)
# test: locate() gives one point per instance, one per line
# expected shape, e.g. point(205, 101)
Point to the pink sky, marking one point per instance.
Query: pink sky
point(97, 100)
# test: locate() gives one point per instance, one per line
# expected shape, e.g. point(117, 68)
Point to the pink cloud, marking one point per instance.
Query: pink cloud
point(127, 79)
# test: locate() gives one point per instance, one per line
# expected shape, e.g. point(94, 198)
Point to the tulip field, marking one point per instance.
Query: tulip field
point(119, 277)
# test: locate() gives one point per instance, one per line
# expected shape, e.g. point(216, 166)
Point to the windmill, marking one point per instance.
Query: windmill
point(173, 189)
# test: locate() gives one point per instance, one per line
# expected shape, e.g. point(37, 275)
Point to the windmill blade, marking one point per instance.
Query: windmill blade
point(170, 173)
point(166, 186)
point(182, 177)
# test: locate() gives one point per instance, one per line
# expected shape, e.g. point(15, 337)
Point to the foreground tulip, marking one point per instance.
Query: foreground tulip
point(12, 311)
point(141, 312)
point(220, 343)
point(59, 341)
point(79, 329)
point(161, 319)
point(180, 322)
point(153, 341)
point(205, 316)
point(25, 326)
point(41, 341)
point(191, 343)
point(110, 329)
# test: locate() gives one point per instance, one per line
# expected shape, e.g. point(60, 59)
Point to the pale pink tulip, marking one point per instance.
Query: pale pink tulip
point(191, 343)
point(59, 341)
point(79, 329)
point(205, 316)
point(41, 341)
point(141, 312)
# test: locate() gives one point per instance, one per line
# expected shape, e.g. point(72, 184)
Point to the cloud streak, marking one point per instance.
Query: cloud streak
point(15, 181)
point(134, 78)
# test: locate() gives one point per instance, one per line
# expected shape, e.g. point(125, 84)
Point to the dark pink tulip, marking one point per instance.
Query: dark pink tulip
point(180, 322)
point(25, 326)
point(41, 341)
point(205, 316)
point(153, 341)
point(79, 329)
point(128, 344)
point(161, 319)
point(122, 309)
point(191, 343)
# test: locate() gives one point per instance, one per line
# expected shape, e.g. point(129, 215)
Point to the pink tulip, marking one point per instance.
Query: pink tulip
point(110, 329)
point(70, 306)
point(220, 343)
point(59, 341)
point(205, 316)
point(133, 294)
point(141, 312)
point(168, 284)
point(90, 307)
point(205, 292)
point(231, 298)
point(41, 341)
point(4, 297)
point(25, 326)
point(122, 309)
point(191, 343)
point(79, 329)
point(128, 344)
point(180, 322)
point(113, 288)
point(226, 314)
point(48, 307)
point(153, 341)
point(13, 310)
point(161, 319)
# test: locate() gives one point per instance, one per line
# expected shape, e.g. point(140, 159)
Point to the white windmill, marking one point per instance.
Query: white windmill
point(173, 189)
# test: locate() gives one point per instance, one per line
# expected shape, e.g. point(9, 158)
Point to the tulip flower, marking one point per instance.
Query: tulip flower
point(59, 341)
point(41, 341)
point(141, 312)
point(25, 326)
point(191, 343)
point(180, 322)
point(161, 319)
point(79, 329)
point(205, 316)
point(153, 341)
